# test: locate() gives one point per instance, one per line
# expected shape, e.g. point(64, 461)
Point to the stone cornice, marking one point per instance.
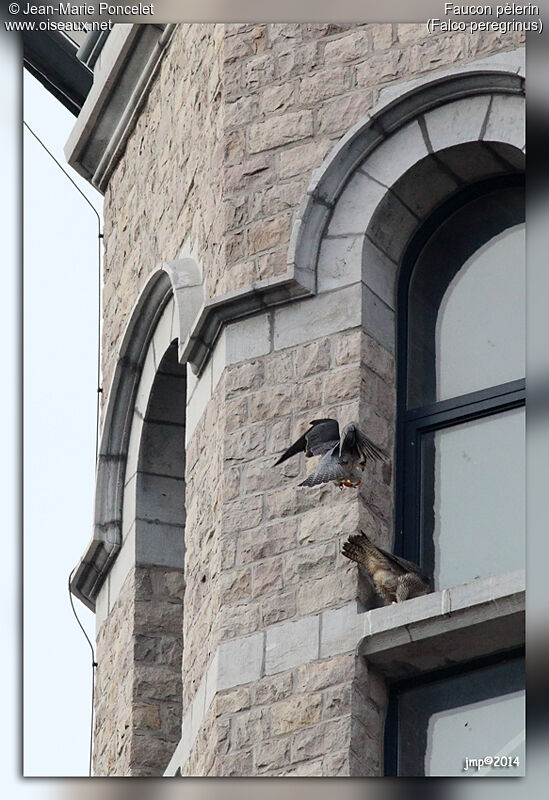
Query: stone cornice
point(127, 65)
point(218, 311)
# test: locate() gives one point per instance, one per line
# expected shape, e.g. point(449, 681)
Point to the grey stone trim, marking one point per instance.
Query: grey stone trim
point(111, 463)
point(122, 76)
point(122, 424)
point(417, 636)
point(235, 305)
point(456, 625)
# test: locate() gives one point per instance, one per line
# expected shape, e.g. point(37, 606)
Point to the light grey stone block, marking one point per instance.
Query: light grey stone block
point(458, 122)
point(192, 381)
point(199, 400)
point(189, 302)
point(248, 338)
point(493, 588)
point(161, 339)
point(340, 630)
point(240, 661)
point(187, 738)
point(163, 449)
point(379, 273)
point(129, 505)
point(378, 319)
point(356, 205)
point(310, 319)
point(339, 262)
point(160, 499)
point(512, 61)
point(219, 358)
point(291, 644)
point(122, 565)
point(102, 605)
point(506, 121)
point(396, 155)
point(134, 445)
point(146, 380)
point(454, 625)
point(159, 544)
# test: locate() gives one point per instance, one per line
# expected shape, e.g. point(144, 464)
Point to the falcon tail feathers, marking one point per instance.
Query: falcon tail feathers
point(360, 549)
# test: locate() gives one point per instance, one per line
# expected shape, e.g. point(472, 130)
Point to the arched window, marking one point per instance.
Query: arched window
point(461, 331)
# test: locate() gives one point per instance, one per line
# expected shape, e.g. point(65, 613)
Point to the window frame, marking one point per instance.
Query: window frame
point(413, 423)
point(392, 722)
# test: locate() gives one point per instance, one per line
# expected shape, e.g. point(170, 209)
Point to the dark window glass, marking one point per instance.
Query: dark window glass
point(460, 504)
point(437, 723)
point(466, 301)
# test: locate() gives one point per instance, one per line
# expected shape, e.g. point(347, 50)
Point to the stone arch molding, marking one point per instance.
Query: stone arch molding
point(164, 312)
point(392, 169)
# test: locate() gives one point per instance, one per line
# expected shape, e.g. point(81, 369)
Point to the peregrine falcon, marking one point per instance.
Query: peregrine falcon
point(395, 579)
point(343, 456)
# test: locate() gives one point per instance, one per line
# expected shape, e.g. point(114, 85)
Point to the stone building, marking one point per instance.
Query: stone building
point(289, 211)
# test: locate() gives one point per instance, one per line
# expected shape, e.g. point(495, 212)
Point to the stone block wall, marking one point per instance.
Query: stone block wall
point(296, 723)
point(138, 678)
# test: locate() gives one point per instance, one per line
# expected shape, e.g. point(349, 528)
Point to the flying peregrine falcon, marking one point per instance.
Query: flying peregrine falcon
point(395, 579)
point(343, 456)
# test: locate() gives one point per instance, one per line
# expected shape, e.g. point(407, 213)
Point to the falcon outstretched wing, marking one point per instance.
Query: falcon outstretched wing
point(321, 437)
point(354, 444)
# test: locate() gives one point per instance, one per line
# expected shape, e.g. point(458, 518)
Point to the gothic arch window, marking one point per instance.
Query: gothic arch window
point(139, 501)
point(461, 338)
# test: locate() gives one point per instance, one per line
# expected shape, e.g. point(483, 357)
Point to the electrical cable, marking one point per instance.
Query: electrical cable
point(99, 238)
point(94, 665)
point(99, 390)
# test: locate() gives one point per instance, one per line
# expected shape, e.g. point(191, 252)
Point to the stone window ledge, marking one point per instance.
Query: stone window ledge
point(448, 627)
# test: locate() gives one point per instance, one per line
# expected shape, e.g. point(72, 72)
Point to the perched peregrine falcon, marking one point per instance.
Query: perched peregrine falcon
point(395, 579)
point(343, 456)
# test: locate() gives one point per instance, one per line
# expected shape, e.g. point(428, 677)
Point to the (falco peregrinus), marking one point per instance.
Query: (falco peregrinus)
point(343, 456)
point(395, 578)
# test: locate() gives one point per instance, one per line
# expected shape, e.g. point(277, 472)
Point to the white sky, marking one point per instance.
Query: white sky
point(60, 319)
point(60, 324)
